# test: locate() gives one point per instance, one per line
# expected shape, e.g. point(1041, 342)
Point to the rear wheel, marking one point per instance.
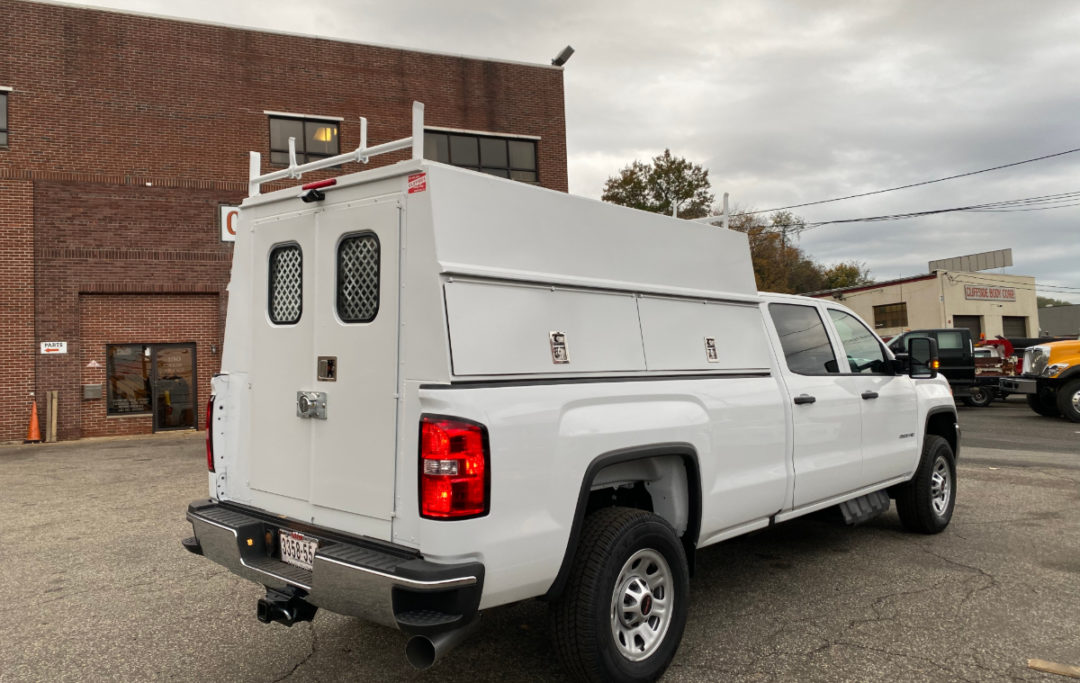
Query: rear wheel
point(622, 614)
point(1068, 401)
point(1043, 402)
point(925, 504)
point(980, 397)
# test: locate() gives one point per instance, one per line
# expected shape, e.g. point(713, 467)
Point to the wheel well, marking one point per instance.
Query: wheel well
point(662, 479)
point(943, 424)
point(657, 484)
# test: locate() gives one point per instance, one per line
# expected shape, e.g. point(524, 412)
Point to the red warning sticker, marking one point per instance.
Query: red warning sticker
point(417, 182)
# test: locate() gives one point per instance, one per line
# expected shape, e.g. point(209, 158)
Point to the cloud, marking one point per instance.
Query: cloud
point(786, 102)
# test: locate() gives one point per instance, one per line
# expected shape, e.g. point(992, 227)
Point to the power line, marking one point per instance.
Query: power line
point(1050, 201)
point(919, 184)
point(1063, 289)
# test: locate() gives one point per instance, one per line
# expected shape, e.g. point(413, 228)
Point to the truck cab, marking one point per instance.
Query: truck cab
point(1050, 380)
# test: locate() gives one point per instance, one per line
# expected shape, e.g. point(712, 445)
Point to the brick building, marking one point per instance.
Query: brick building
point(122, 136)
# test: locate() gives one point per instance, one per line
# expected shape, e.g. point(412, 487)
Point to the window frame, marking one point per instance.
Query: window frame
point(888, 315)
point(478, 137)
point(110, 372)
point(270, 284)
point(886, 370)
point(5, 129)
point(828, 339)
point(338, 280)
point(302, 155)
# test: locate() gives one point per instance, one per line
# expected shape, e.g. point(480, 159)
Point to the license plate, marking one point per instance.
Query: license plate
point(297, 549)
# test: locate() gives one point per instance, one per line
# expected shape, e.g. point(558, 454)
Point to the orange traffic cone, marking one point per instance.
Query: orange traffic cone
point(33, 434)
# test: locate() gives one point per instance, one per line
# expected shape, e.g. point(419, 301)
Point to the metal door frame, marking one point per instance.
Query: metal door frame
point(154, 385)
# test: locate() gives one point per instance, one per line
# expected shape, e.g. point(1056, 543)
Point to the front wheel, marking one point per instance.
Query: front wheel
point(1068, 401)
point(1043, 403)
point(925, 504)
point(624, 609)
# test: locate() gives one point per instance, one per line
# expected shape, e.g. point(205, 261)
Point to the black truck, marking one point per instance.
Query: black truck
point(956, 351)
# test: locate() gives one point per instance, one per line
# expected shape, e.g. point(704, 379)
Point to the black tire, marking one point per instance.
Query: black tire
point(980, 397)
point(1068, 401)
point(1044, 403)
point(620, 553)
point(925, 504)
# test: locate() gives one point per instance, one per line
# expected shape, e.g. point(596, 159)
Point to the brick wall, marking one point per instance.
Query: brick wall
point(119, 95)
point(139, 319)
point(145, 243)
point(16, 307)
point(128, 132)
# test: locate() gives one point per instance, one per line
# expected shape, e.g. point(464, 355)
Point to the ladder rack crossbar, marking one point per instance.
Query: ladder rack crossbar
point(359, 155)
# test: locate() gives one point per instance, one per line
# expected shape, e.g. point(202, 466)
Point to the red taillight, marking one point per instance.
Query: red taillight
point(453, 468)
point(210, 434)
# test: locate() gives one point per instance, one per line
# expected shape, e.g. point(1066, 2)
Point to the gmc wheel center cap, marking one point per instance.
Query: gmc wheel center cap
point(646, 605)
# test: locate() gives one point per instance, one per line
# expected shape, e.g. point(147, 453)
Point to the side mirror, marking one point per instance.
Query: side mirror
point(923, 360)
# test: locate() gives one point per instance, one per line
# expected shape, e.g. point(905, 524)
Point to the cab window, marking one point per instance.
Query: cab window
point(864, 354)
point(802, 335)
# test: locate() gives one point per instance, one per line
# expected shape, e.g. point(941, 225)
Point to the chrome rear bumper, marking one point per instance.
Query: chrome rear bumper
point(376, 582)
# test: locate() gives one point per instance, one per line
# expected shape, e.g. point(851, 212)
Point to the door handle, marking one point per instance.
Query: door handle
point(869, 394)
point(804, 398)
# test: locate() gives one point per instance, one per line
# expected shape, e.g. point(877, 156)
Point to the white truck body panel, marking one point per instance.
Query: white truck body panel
point(475, 275)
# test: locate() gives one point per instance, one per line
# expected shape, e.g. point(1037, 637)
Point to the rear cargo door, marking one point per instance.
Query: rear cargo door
point(333, 343)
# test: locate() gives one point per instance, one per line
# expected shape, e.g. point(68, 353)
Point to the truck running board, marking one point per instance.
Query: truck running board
point(864, 508)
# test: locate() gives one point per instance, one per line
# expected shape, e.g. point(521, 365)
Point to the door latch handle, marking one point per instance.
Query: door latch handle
point(869, 394)
point(804, 398)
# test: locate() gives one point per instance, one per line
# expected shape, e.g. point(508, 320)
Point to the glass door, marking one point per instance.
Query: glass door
point(173, 380)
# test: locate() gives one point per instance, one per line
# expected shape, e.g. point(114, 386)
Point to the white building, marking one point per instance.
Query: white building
point(989, 304)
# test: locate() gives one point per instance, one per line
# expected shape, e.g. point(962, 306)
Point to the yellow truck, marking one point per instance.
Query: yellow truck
point(1051, 379)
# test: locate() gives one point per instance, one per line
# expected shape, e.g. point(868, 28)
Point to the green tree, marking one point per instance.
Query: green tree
point(666, 183)
point(1047, 301)
point(780, 265)
point(847, 274)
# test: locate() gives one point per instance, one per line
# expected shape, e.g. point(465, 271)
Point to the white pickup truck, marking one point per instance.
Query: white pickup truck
point(442, 392)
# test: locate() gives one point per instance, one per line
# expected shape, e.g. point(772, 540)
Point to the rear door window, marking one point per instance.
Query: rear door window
point(807, 350)
point(358, 278)
point(285, 284)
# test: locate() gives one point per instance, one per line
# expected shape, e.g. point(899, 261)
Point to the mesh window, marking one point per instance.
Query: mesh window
point(358, 278)
point(286, 284)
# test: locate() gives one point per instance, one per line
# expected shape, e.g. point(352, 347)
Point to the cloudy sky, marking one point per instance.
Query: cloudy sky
point(788, 102)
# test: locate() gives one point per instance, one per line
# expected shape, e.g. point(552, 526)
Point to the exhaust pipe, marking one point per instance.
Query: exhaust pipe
point(287, 611)
point(423, 651)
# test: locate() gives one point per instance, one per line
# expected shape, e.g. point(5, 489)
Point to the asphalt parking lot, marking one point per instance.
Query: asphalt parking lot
point(96, 585)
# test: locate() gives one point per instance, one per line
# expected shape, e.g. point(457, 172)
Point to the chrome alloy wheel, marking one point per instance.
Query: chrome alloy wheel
point(940, 485)
point(642, 604)
point(1075, 398)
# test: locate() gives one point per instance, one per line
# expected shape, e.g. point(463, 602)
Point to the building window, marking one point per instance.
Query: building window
point(504, 157)
point(153, 378)
point(890, 315)
point(129, 379)
point(3, 118)
point(315, 139)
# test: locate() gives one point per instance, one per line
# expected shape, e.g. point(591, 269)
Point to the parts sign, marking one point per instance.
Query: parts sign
point(53, 347)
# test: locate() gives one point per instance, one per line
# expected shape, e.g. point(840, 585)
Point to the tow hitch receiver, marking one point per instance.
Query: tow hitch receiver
point(284, 608)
